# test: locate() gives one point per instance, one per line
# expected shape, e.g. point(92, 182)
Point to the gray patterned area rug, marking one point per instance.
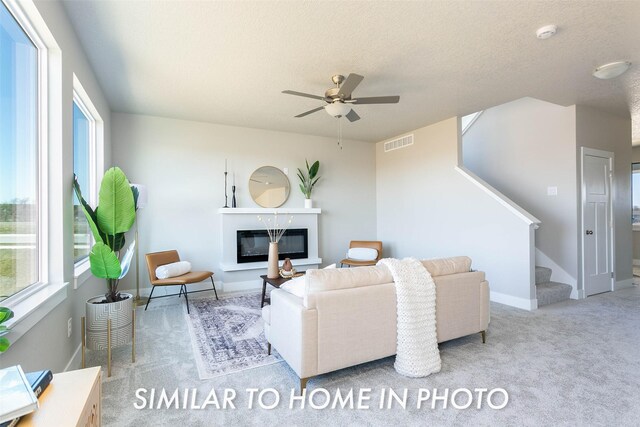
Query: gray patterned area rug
point(228, 335)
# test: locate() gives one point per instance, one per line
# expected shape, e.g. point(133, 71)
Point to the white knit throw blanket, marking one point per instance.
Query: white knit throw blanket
point(417, 348)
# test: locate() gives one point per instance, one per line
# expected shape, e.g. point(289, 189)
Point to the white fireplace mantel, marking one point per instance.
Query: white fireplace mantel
point(267, 211)
point(234, 219)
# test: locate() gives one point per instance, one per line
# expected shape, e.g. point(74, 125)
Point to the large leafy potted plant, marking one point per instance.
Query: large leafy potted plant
point(308, 181)
point(109, 221)
point(5, 315)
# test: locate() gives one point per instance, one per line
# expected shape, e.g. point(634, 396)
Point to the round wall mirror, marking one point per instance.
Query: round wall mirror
point(269, 187)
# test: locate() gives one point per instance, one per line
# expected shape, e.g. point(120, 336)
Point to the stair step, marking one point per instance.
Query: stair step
point(552, 292)
point(543, 275)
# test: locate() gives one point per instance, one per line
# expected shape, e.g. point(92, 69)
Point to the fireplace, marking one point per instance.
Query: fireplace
point(253, 245)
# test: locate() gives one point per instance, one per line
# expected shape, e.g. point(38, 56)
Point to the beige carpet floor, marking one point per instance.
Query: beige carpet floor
point(572, 363)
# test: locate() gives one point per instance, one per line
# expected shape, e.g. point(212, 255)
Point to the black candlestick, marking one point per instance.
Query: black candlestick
point(225, 190)
point(233, 198)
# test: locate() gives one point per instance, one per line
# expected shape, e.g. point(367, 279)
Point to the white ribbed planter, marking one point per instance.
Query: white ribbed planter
point(308, 203)
point(121, 315)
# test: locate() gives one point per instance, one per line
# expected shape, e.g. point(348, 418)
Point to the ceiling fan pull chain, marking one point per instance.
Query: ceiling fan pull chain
point(340, 132)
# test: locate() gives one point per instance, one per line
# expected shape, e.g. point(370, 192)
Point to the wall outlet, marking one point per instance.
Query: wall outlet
point(552, 191)
point(69, 328)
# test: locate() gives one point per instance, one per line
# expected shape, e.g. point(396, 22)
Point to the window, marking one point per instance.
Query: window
point(20, 235)
point(635, 188)
point(88, 136)
point(82, 130)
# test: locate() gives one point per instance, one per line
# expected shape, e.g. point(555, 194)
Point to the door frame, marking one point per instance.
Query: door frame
point(585, 151)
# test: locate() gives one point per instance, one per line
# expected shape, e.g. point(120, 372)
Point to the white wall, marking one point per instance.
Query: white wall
point(182, 164)
point(427, 209)
point(521, 148)
point(46, 345)
point(527, 145)
point(604, 131)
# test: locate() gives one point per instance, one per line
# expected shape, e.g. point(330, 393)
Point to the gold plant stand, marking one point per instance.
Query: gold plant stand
point(133, 342)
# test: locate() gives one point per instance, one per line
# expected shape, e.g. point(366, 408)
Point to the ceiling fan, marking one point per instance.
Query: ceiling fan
point(339, 98)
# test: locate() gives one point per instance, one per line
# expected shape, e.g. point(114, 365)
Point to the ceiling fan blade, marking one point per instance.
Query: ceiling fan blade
point(352, 116)
point(306, 95)
point(306, 113)
point(352, 81)
point(377, 100)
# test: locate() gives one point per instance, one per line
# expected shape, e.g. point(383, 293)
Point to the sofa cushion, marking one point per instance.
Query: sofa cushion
point(297, 285)
point(446, 266)
point(343, 278)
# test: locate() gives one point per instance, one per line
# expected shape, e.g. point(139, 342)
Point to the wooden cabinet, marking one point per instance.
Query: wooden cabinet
point(72, 399)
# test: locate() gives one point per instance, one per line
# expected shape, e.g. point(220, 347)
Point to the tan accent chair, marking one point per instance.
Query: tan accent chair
point(377, 245)
point(156, 259)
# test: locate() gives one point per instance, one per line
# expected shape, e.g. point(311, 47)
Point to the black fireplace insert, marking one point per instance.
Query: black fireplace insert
point(253, 245)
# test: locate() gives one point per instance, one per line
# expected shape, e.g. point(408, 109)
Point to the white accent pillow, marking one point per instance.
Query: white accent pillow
point(172, 270)
point(296, 285)
point(362, 254)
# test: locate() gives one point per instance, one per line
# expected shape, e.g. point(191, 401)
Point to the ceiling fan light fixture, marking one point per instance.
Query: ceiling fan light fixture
point(611, 70)
point(337, 109)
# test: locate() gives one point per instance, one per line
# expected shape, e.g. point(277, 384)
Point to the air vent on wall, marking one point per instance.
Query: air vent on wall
point(398, 143)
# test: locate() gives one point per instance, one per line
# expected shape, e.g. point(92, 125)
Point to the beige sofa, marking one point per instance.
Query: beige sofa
point(347, 316)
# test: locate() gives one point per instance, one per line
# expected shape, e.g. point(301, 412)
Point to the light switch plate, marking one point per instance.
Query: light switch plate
point(552, 191)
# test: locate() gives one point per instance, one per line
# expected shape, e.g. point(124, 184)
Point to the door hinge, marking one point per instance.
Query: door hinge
point(613, 275)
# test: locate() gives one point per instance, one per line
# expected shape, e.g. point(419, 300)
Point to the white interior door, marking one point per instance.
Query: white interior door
point(597, 223)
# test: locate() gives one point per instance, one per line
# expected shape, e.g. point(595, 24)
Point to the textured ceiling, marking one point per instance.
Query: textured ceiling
point(227, 62)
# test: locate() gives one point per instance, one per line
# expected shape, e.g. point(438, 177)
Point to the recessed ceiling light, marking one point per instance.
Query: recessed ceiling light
point(611, 70)
point(546, 31)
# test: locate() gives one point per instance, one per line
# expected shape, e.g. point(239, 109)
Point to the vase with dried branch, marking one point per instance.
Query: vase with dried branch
point(275, 231)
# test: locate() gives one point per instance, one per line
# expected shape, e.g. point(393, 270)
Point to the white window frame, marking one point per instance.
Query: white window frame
point(81, 269)
point(32, 304)
point(42, 239)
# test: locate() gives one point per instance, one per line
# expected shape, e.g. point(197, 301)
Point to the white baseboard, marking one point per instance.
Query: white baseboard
point(242, 286)
point(221, 288)
point(76, 360)
point(577, 294)
point(622, 284)
point(523, 303)
point(167, 290)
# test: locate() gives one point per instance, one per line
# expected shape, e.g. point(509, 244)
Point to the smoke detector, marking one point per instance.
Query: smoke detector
point(546, 31)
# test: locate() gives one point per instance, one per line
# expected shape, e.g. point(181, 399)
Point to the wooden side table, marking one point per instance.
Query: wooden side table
point(72, 399)
point(276, 283)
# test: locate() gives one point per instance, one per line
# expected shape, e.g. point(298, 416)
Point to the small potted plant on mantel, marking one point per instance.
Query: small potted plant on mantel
point(308, 181)
point(109, 222)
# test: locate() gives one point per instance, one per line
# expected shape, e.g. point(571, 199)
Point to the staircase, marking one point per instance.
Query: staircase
point(548, 292)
